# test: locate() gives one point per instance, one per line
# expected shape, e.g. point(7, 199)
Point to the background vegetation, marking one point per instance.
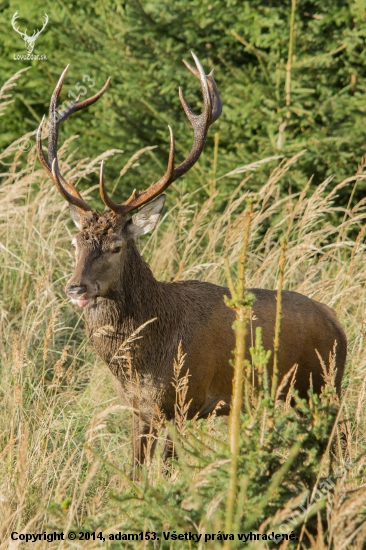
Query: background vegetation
point(291, 75)
point(64, 437)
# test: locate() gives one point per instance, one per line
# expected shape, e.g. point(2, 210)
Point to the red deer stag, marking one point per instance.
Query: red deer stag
point(117, 288)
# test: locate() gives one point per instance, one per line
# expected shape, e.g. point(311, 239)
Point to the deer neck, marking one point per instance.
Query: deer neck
point(135, 300)
point(139, 298)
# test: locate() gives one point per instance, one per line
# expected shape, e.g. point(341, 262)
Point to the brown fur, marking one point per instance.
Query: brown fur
point(125, 295)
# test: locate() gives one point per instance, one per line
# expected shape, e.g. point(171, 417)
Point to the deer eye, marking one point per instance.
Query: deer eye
point(73, 246)
point(116, 249)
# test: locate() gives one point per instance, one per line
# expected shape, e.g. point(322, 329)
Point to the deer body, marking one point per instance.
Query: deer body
point(194, 313)
point(120, 294)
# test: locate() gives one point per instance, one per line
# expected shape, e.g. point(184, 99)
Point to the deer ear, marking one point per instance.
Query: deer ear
point(75, 215)
point(146, 218)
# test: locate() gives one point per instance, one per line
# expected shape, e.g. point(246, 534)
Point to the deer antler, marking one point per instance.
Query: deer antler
point(201, 123)
point(68, 191)
point(161, 184)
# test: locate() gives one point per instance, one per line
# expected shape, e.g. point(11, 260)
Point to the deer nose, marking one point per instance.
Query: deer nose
point(76, 290)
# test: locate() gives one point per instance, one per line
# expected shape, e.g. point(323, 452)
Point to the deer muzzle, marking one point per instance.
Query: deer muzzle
point(76, 293)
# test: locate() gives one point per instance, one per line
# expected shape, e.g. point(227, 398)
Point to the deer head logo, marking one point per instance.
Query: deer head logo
point(29, 40)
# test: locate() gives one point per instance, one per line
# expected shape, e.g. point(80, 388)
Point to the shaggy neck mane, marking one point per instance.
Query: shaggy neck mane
point(140, 291)
point(136, 299)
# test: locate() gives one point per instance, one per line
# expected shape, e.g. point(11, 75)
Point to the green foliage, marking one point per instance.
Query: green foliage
point(274, 102)
point(281, 450)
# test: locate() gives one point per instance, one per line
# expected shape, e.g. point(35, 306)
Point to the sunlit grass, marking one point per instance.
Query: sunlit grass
point(64, 437)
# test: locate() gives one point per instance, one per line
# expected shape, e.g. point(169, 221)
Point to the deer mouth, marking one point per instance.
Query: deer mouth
point(78, 294)
point(80, 303)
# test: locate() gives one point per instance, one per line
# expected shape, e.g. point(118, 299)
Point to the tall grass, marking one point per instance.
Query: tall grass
point(64, 437)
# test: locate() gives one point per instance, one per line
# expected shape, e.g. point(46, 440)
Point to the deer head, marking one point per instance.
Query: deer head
point(29, 40)
point(104, 238)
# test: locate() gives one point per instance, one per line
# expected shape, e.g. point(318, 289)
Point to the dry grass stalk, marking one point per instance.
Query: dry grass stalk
point(329, 373)
point(291, 386)
point(211, 418)
point(288, 379)
point(180, 383)
point(9, 85)
point(50, 327)
point(58, 367)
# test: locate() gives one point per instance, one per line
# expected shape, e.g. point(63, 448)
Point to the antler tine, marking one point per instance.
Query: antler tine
point(214, 92)
point(138, 199)
point(114, 206)
point(47, 166)
point(55, 120)
point(78, 105)
point(71, 199)
point(40, 153)
point(200, 123)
